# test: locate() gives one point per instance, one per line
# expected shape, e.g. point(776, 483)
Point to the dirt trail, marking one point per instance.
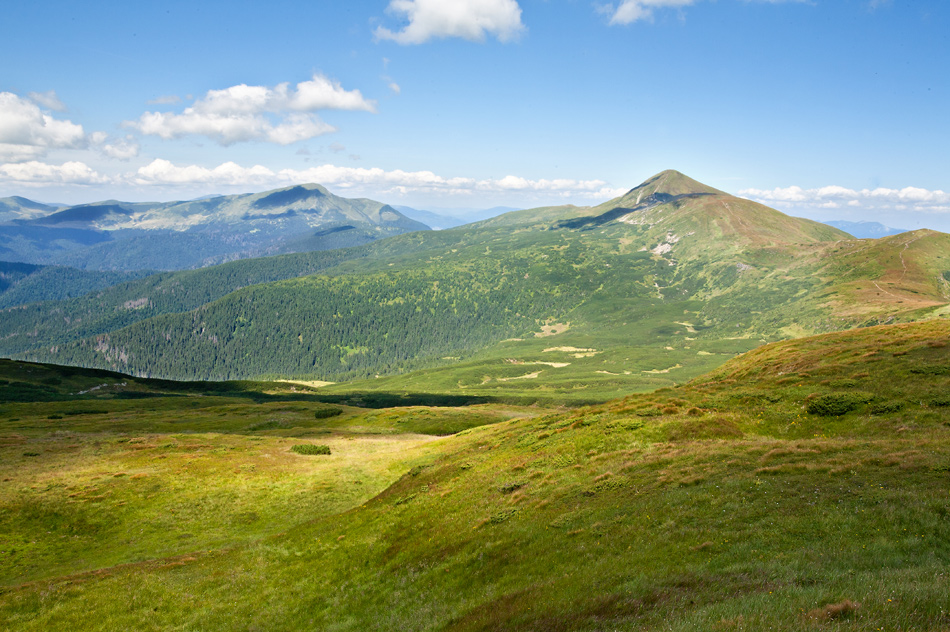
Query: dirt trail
point(903, 269)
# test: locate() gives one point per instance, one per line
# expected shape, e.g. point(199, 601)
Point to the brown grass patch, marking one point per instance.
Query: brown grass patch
point(834, 611)
point(792, 468)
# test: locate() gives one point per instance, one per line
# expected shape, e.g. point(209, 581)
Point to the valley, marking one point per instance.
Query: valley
point(676, 410)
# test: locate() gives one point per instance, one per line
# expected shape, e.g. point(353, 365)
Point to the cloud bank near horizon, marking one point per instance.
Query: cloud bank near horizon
point(838, 197)
point(165, 174)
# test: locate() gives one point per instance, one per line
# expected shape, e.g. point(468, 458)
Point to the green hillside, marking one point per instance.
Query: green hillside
point(169, 292)
point(802, 486)
point(22, 283)
point(559, 304)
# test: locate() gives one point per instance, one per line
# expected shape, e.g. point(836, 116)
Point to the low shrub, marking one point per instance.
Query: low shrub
point(270, 424)
point(881, 408)
point(835, 404)
point(324, 413)
point(502, 516)
point(510, 487)
point(310, 448)
point(844, 383)
point(931, 369)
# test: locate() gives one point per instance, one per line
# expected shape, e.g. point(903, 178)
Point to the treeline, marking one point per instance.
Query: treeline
point(392, 306)
point(123, 304)
point(23, 283)
point(334, 327)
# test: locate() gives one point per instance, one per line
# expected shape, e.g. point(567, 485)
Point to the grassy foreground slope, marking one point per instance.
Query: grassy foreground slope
point(801, 486)
point(100, 469)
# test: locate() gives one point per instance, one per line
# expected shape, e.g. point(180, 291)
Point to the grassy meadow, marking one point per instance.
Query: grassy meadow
point(802, 486)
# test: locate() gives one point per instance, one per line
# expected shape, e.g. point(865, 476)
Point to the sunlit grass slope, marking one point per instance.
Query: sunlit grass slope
point(802, 486)
point(100, 469)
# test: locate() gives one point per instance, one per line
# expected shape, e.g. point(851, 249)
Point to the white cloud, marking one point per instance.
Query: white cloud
point(379, 181)
point(629, 11)
point(119, 148)
point(161, 171)
point(321, 93)
point(35, 173)
point(48, 100)
point(468, 19)
point(26, 132)
point(880, 199)
point(281, 114)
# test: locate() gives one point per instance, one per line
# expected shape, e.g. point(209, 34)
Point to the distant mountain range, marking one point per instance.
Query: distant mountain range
point(645, 290)
point(866, 230)
point(441, 219)
point(115, 235)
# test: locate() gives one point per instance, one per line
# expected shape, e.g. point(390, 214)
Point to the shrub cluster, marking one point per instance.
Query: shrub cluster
point(310, 448)
point(881, 408)
point(324, 413)
point(835, 404)
point(931, 369)
point(511, 486)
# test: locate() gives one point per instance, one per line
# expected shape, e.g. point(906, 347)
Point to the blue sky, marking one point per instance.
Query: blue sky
point(823, 108)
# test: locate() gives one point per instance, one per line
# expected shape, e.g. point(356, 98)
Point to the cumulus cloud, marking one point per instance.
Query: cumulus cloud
point(34, 173)
point(279, 114)
point(835, 197)
point(163, 172)
point(26, 132)
point(468, 19)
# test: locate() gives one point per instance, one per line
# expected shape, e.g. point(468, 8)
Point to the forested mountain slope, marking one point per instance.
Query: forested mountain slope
point(654, 287)
point(22, 283)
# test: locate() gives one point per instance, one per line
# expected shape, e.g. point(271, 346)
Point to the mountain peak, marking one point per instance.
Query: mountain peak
point(672, 182)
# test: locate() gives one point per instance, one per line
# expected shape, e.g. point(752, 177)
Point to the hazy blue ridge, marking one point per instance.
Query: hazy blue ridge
point(865, 230)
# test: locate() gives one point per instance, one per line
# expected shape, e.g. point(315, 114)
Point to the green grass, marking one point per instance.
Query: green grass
point(721, 504)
